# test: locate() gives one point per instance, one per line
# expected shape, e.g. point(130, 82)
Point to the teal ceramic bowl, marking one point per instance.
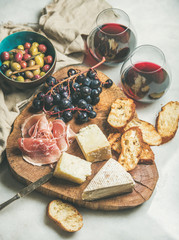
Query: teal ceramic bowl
point(20, 38)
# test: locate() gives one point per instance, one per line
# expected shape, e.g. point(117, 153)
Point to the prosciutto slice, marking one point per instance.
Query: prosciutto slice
point(42, 142)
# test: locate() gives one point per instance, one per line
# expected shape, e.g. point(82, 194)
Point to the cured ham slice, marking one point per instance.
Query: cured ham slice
point(39, 151)
point(42, 142)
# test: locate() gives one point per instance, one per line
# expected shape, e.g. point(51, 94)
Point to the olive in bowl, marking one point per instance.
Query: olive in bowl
point(26, 59)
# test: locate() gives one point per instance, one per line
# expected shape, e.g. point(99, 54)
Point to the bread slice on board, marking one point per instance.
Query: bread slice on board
point(131, 142)
point(65, 215)
point(115, 141)
point(147, 156)
point(122, 111)
point(149, 133)
point(167, 121)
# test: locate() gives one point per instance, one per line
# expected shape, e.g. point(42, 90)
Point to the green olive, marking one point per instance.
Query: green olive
point(20, 47)
point(36, 72)
point(42, 55)
point(6, 63)
point(15, 66)
point(8, 73)
point(39, 61)
point(13, 77)
point(33, 50)
point(20, 79)
point(29, 74)
point(42, 74)
point(31, 63)
point(11, 56)
point(35, 44)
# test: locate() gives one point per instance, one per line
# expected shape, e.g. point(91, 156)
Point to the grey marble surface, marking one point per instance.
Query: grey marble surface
point(157, 23)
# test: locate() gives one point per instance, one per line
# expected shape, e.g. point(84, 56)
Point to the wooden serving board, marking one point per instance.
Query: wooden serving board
point(145, 176)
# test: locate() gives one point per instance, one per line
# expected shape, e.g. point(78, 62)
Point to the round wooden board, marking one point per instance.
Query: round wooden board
point(145, 176)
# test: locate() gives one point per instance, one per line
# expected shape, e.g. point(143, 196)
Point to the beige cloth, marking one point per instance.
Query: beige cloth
point(65, 23)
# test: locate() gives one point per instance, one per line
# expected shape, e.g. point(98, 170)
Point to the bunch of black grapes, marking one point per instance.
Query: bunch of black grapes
point(75, 95)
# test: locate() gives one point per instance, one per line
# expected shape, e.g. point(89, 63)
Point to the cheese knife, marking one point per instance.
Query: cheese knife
point(27, 190)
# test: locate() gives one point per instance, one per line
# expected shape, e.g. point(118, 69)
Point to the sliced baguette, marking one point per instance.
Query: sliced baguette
point(167, 121)
point(147, 156)
point(122, 111)
point(131, 142)
point(65, 215)
point(115, 141)
point(149, 133)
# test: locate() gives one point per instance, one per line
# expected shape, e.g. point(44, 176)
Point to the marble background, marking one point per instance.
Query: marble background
point(157, 23)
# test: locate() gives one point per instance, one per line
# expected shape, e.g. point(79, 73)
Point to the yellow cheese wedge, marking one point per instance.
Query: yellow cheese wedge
point(72, 168)
point(93, 143)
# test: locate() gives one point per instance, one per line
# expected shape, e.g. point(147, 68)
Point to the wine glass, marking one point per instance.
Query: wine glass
point(145, 75)
point(113, 37)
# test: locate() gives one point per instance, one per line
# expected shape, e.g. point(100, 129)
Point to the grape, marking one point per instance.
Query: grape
point(37, 104)
point(51, 81)
point(80, 78)
point(92, 114)
point(87, 82)
point(94, 93)
point(95, 83)
point(65, 103)
point(95, 100)
point(40, 95)
point(71, 72)
point(56, 109)
point(48, 99)
point(75, 98)
point(61, 118)
point(56, 99)
point(99, 89)
point(76, 85)
point(85, 91)
point(82, 117)
point(88, 99)
point(91, 73)
point(108, 83)
point(60, 88)
point(64, 94)
point(67, 115)
point(89, 107)
point(82, 104)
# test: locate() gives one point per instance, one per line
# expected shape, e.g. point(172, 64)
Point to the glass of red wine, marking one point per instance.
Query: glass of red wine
point(113, 37)
point(145, 75)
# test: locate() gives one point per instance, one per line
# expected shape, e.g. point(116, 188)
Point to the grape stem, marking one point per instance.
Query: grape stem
point(68, 109)
point(76, 75)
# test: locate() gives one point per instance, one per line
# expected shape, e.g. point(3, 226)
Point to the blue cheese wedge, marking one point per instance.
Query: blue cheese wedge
point(112, 179)
point(93, 143)
point(72, 168)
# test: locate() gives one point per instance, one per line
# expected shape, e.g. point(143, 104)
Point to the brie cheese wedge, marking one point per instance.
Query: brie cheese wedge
point(112, 179)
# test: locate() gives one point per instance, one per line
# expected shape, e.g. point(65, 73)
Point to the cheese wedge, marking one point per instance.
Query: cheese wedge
point(112, 179)
point(93, 143)
point(72, 168)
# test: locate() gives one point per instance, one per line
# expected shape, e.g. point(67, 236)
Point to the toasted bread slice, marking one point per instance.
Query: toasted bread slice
point(167, 121)
point(115, 141)
point(122, 111)
point(147, 156)
point(149, 133)
point(131, 142)
point(65, 215)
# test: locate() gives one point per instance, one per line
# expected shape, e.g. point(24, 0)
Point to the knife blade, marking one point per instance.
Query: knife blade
point(27, 190)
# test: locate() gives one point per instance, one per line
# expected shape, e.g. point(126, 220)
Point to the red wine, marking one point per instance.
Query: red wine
point(145, 80)
point(113, 41)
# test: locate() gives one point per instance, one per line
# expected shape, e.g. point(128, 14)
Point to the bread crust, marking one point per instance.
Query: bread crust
point(119, 116)
point(147, 156)
point(168, 116)
point(76, 215)
point(129, 159)
point(149, 133)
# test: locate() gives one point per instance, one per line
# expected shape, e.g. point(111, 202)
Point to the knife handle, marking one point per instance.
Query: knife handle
point(3, 205)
